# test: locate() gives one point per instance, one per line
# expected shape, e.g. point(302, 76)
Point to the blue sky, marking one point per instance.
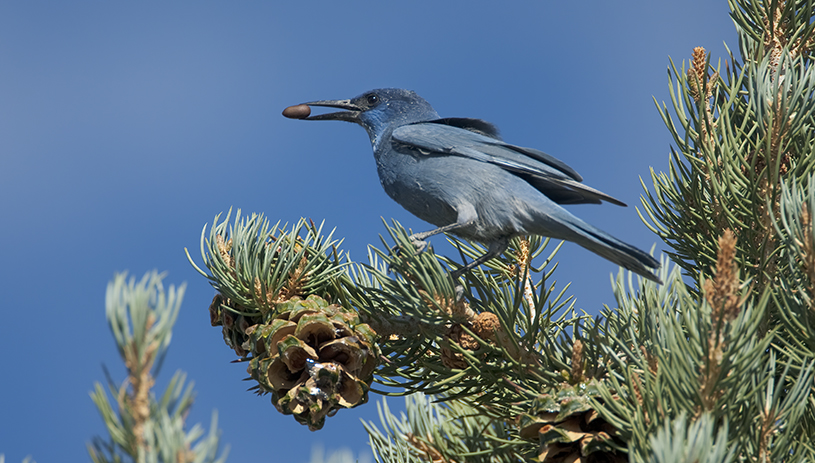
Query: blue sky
point(125, 127)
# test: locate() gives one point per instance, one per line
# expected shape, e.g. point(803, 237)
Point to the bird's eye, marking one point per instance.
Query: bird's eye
point(373, 99)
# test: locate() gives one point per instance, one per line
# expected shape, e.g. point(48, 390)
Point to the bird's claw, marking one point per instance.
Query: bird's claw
point(419, 245)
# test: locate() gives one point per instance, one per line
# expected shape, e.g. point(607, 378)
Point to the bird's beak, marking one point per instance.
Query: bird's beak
point(351, 115)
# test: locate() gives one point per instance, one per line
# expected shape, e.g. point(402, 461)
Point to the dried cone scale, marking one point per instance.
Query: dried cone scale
point(313, 357)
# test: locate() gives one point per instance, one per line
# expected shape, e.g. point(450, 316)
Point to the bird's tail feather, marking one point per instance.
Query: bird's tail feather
point(611, 248)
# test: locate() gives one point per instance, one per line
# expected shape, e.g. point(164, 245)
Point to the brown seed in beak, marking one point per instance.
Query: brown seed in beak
point(300, 111)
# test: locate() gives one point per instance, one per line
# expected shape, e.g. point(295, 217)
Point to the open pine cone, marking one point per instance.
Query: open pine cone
point(313, 357)
point(568, 429)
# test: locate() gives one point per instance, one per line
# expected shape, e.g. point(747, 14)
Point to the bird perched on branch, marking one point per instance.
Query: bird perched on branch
point(457, 174)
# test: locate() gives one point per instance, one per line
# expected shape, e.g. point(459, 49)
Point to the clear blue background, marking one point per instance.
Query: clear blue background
point(127, 126)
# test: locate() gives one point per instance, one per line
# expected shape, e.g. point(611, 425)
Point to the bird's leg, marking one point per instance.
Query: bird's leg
point(495, 249)
point(418, 239)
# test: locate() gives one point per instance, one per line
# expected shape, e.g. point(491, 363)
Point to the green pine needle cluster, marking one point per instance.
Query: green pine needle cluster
point(144, 427)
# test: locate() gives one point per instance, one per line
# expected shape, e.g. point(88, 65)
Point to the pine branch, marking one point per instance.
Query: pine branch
point(449, 432)
point(141, 316)
point(686, 440)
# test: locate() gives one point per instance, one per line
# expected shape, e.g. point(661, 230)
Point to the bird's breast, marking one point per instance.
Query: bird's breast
point(418, 186)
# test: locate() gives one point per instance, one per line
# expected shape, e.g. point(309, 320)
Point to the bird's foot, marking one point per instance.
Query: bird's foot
point(419, 244)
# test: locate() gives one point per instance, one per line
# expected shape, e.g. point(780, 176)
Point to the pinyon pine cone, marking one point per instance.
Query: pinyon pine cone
point(313, 357)
point(234, 322)
point(569, 430)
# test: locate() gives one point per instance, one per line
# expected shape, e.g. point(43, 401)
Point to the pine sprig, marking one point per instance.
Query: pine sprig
point(680, 354)
point(741, 170)
point(797, 289)
point(441, 432)
point(256, 265)
point(142, 429)
point(683, 440)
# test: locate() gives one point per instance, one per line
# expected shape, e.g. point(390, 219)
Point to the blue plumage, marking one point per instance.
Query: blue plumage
point(457, 174)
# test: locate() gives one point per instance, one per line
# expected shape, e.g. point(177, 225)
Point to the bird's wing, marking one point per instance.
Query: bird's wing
point(473, 125)
point(547, 174)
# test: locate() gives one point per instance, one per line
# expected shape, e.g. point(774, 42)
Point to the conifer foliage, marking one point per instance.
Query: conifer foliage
point(144, 428)
point(716, 364)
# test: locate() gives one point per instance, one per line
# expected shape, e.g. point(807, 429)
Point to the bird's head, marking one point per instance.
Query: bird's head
point(377, 110)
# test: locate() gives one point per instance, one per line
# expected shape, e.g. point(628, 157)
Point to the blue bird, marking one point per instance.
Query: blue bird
point(459, 175)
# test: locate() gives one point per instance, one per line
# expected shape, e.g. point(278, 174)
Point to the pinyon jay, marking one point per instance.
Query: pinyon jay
point(457, 174)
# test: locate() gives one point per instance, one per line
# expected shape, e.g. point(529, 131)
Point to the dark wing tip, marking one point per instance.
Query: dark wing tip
point(478, 126)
